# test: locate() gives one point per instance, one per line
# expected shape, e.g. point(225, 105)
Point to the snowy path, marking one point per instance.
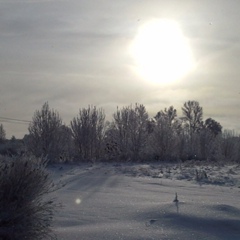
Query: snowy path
point(100, 204)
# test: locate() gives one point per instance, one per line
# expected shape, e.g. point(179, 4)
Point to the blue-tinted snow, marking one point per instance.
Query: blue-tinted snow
point(136, 202)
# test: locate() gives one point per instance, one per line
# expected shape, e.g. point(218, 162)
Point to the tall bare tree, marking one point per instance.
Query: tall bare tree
point(163, 141)
point(88, 132)
point(192, 124)
point(131, 128)
point(2, 134)
point(192, 115)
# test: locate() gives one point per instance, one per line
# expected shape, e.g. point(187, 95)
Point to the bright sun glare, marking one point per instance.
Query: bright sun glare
point(161, 52)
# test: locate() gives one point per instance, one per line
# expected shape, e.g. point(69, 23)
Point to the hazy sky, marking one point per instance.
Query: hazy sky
point(74, 53)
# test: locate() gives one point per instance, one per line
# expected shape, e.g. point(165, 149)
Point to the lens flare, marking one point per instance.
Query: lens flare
point(78, 201)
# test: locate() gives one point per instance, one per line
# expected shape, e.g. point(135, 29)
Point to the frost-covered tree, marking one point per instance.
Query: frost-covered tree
point(88, 132)
point(2, 134)
point(192, 124)
point(230, 146)
point(44, 132)
point(192, 115)
point(213, 126)
point(205, 142)
point(64, 144)
point(163, 140)
point(169, 114)
point(131, 129)
point(208, 145)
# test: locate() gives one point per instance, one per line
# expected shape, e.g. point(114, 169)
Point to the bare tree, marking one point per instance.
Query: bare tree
point(163, 141)
point(2, 134)
point(64, 144)
point(88, 132)
point(169, 114)
point(130, 124)
point(205, 142)
point(213, 126)
point(44, 132)
point(208, 145)
point(192, 115)
point(230, 145)
point(192, 123)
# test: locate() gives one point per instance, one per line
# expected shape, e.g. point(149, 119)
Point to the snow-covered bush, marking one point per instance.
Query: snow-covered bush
point(26, 211)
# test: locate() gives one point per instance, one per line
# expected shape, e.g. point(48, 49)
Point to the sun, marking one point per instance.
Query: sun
point(161, 52)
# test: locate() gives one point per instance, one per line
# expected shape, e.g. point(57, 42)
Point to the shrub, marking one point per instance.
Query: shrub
point(26, 211)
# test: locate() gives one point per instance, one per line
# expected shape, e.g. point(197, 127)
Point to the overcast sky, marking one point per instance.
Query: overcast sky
point(75, 53)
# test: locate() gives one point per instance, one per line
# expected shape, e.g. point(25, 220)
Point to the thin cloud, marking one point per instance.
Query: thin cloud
point(75, 53)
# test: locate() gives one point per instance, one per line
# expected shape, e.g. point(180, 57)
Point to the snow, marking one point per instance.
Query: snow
point(136, 201)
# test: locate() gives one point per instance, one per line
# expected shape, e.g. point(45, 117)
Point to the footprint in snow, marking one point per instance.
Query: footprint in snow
point(150, 222)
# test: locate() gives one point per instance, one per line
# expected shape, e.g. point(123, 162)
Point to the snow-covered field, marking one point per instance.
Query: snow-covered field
point(126, 201)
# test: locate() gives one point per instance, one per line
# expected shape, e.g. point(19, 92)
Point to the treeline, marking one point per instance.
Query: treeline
point(131, 135)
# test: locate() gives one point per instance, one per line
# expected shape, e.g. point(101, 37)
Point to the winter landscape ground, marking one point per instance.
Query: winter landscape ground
point(136, 201)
